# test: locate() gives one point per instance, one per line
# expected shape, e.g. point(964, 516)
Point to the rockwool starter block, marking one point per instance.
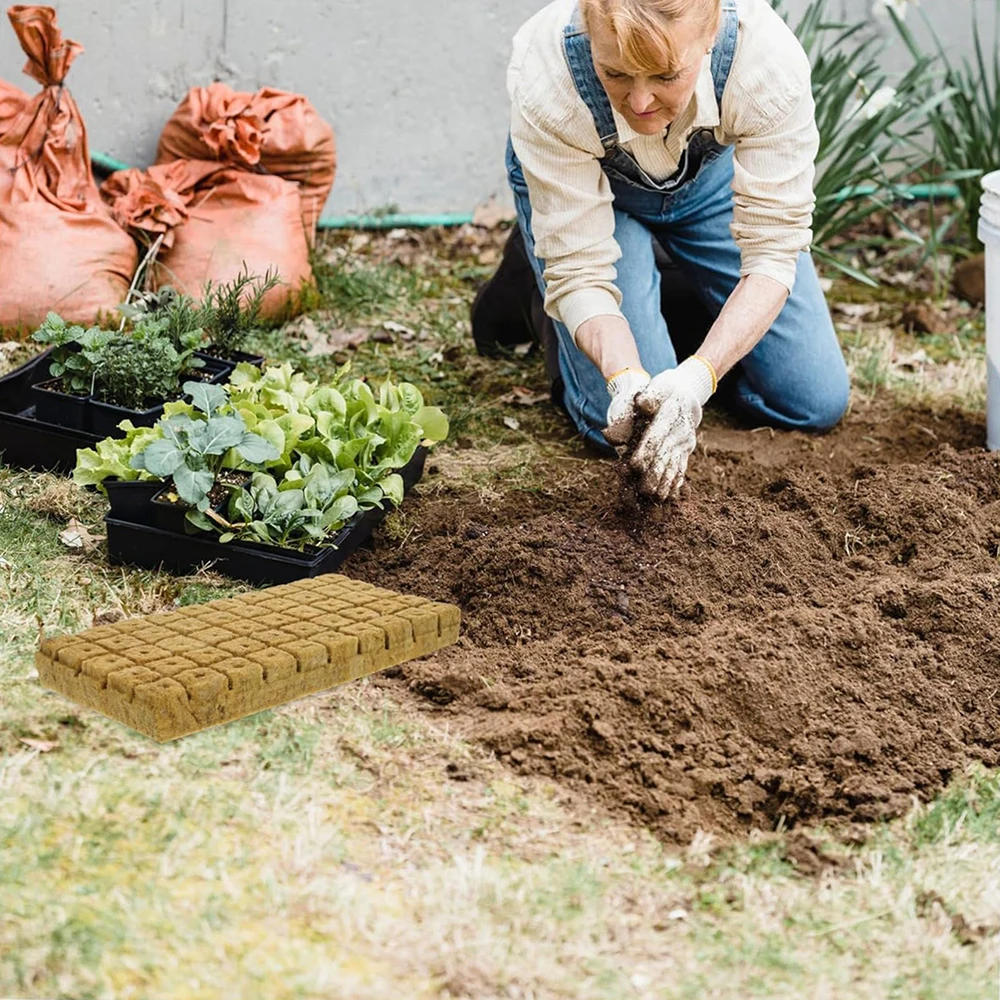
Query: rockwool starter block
point(170, 675)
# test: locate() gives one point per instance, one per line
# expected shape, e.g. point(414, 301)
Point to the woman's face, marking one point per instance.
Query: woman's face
point(649, 103)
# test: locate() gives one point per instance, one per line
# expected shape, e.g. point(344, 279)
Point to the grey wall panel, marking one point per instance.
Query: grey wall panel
point(414, 88)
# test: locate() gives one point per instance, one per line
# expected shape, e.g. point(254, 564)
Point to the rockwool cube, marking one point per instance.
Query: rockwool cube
point(170, 675)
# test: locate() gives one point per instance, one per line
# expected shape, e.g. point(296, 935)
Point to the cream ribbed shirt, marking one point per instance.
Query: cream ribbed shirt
point(767, 114)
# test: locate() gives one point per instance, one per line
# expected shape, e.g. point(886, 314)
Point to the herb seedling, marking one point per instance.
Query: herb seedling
point(231, 311)
point(76, 352)
point(145, 365)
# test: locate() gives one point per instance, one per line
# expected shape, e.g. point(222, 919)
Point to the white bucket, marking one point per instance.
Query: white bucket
point(989, 233)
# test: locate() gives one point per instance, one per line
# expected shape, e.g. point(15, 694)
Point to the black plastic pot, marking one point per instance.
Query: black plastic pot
point(105, 418)
point(63, 409)
point(25, 441)
point(172, 516)
point(214, 370)
point(257, 360)
point(132, 501)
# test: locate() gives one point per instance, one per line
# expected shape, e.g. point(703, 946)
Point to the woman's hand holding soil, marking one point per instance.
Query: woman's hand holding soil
point(624, 389)
point(674, 400)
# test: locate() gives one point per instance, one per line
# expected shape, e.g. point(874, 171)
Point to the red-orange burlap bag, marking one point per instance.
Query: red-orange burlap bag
point(215, 221)
point(60, 249)
point(272, 130)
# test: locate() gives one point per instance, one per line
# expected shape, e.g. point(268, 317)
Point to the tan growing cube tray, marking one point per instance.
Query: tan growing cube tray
point(171, 675)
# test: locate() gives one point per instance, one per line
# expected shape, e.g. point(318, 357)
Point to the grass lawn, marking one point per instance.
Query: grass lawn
point(348, 846)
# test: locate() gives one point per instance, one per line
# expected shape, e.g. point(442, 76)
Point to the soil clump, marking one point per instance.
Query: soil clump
point(811, 633)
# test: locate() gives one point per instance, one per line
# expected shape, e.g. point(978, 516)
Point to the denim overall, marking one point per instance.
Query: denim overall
point(796, 376)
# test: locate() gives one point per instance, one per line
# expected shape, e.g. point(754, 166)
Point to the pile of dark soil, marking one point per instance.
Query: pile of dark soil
point(812, 632)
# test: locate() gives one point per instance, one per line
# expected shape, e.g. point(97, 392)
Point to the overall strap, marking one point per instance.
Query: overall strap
point(579, 58)
point(724, 49)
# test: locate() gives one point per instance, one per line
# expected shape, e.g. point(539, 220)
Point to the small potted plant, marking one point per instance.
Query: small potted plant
point(62, 399)
point(107, 467)
point(230, 315)
point(139, 371)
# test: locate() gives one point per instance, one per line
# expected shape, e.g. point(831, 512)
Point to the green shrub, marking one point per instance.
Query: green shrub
point(965, 126)
point(868, 125)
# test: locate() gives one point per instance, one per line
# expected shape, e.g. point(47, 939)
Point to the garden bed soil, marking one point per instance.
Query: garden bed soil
point(812, 633)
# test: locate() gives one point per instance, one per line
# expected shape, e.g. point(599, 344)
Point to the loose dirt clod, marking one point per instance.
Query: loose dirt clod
point(814, 634)
point(632, 508)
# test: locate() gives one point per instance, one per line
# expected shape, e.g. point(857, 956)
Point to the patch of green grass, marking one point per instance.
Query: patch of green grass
point(968, 810)
point(286, 744)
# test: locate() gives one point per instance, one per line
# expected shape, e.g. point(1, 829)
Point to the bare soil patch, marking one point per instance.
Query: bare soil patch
point(811, 633)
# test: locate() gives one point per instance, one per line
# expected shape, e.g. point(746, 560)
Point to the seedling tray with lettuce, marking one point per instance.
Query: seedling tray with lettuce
point(327, 462)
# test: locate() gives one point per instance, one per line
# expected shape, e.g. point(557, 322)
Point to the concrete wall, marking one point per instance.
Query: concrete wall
point(414, 88)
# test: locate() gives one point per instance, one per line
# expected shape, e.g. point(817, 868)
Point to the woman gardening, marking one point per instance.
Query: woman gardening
point(691, 121)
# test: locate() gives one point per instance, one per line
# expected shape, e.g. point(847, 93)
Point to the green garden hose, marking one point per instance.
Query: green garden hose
point(919, 192)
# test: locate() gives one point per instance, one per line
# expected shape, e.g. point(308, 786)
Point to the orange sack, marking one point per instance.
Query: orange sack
point(12, 103)
point(215, 221)
point(273, 130)
point(60, 249)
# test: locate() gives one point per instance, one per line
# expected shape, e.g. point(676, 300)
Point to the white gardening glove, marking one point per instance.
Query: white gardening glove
point(623, 387)
point(674, 399)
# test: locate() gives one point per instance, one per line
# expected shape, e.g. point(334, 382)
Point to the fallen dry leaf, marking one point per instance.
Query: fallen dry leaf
point(77, 536)
point(524, 397)
point(511, 423)
point(492, 214)
point(322, 341)
point(42, 746)
point(913, 361)
point(857, 310)
point(390, 328)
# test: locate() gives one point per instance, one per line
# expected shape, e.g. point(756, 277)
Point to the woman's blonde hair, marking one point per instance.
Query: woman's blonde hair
point(642, 28)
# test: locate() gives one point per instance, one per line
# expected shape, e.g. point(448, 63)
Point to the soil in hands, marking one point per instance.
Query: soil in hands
point(811, 633)
point(633, 509)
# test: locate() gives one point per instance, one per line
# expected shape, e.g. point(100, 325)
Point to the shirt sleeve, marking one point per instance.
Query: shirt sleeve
point(772, 116)
point(572, 218)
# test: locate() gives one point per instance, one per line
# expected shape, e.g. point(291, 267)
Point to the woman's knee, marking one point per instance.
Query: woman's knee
point(823, 404)
point(831, 402)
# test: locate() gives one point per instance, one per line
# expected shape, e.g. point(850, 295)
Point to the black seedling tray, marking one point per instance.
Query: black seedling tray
point(152, 548)
point(27, 443)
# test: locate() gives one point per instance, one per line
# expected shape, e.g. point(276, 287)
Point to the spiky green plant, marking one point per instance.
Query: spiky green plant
point(965, 126)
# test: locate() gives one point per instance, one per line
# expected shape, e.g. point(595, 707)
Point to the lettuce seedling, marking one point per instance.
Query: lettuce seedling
point(112, 457)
